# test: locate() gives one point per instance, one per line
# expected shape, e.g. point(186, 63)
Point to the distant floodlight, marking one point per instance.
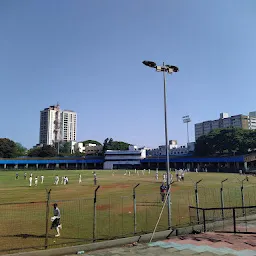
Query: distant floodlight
point(186, 119)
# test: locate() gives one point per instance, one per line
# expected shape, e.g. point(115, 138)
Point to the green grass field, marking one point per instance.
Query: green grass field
point(23, 223)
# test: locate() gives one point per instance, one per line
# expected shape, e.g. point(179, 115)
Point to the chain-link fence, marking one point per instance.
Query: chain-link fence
point(109, 216)
point(22, 225)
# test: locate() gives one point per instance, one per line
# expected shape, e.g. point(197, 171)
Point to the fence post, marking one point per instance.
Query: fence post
point(221, 202)
point(94, 214)
point(204, 220)
point(47, 218)
point(234, 219)
point(190, 215)
point(134, 209)
point(242, 196)
point(242, 193)
point(197, 202)
point(222, 199)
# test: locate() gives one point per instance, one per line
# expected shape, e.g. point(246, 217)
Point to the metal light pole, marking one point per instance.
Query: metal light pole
point(186, 120)
point(169, 69)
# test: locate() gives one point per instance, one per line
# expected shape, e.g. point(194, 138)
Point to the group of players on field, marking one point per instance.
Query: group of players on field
point(56, 224)
point(64, 179)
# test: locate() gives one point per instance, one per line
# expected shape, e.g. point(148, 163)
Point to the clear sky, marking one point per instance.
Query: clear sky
point(87, 55)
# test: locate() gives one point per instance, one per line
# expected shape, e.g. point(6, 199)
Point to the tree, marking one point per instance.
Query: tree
point(201, 147)
point(105, 145)
point(110, 144)
point(7, 148)
point(119, 145)
point(91, 142)
point(78, 153)
point(20, 150)
point(45, 151)
point(65, 148)
point(226, 141)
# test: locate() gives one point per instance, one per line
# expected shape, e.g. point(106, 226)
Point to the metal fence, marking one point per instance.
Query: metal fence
point(108, 216)
point(228, 219)
point(104, 216)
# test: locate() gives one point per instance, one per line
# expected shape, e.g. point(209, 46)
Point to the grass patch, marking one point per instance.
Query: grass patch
point(23, 225)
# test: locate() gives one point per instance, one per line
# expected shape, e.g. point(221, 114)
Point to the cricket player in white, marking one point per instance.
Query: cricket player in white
point(36, 181)
point(30, 181)
point(80, 179)
point(183, 176)
point(42, 179)
point(56, 182)
point(65, 180)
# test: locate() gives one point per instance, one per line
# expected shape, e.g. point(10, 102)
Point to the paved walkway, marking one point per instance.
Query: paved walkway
point(208, 244)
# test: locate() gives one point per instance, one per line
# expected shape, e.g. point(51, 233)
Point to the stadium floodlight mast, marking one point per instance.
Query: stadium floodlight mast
point(165, 69)
point(186, 120)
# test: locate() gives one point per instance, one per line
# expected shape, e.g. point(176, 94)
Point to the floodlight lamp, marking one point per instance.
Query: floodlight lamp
point(159, 68)
point(150, 64)
point(172, 68)
point(186, 119)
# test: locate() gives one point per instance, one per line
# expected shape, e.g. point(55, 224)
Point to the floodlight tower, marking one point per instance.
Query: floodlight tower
point(165, 69)
point(186, 120)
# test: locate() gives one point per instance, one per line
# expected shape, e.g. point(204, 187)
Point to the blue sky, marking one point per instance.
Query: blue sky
point(87, 56)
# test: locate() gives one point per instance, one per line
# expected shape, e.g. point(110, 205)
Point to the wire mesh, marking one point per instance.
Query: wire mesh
point(76, 220)
point(22, 226)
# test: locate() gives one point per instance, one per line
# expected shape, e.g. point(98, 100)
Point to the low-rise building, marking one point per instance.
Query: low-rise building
point(174, 150)
point(79, 147)
point(130, 159)
point(87, 149)
point(92, 149)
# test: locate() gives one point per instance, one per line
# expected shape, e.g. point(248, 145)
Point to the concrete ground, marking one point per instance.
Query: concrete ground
point(207, 244)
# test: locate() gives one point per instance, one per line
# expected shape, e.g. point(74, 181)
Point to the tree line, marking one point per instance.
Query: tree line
point(228, 141)
point(11, 149)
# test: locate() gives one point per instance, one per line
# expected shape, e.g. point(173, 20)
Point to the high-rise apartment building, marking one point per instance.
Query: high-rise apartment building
point(57, 125)
point(238, 121)
point(68, 124)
